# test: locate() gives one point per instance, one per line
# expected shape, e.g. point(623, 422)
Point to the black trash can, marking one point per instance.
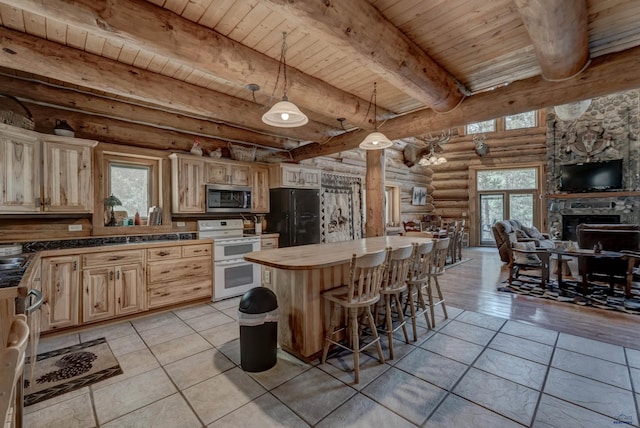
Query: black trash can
point(258, 320)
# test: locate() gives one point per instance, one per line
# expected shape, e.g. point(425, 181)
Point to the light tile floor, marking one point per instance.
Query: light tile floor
point(182, 369)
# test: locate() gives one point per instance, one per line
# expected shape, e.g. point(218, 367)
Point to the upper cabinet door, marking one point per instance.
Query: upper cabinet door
point(187, 177)
point(240, 175)
point(67, 178)
point(19, 173)
point(217, 173)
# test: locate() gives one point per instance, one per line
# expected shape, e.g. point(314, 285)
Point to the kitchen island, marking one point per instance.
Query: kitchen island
point(298, 276)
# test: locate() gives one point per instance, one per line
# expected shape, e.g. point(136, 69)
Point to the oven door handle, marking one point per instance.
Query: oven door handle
point(36, 300)
point(227, 263)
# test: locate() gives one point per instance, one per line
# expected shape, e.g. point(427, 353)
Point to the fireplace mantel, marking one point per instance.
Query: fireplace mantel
point(586, 195)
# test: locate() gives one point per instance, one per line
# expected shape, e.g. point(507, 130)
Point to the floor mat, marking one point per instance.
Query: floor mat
point(66, 369)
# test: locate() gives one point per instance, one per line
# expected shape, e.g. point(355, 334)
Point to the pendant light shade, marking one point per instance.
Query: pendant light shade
point(375, 140)
point(572, 111)
point(285, 114)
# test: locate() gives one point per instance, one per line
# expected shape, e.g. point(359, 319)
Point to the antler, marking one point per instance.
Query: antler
point(443, 138)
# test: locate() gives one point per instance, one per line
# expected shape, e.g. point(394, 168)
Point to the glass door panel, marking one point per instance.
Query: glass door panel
point(521, 206)
point(492, 209)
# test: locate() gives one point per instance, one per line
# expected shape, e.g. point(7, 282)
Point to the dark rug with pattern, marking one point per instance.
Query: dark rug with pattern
point(598, 296)
point(66, 369)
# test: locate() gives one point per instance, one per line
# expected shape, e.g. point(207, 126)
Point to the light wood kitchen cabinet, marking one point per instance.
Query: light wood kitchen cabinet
point(60, 285)
point(294, 176)
point(113, 284)
point(67, 176)
point(20, 172)
point(260, 189)
point(187, 184)
point(172, 279)
point(228, 173)
point(268, 242)
point(44, 173)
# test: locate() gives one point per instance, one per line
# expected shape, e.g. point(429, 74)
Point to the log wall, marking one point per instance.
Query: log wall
point(452, 195)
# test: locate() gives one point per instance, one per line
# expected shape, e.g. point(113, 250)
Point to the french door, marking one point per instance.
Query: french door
point(505, 193)
point(501, 206)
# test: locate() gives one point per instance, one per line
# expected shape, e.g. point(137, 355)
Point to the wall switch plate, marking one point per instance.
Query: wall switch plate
point(267, 277)
point(75, 227)
point(181, 224)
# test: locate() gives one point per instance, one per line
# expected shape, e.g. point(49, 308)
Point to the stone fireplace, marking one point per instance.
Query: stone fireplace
point(608, 130)
point(571, 221)
point(566, 214)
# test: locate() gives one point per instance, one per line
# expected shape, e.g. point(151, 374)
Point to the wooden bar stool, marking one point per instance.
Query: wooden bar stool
point(440, 249)
point(416, 281)
point(362, 291)
point(395, 283)
point(11, 368)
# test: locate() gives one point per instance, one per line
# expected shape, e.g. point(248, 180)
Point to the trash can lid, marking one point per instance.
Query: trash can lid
point(258, 300)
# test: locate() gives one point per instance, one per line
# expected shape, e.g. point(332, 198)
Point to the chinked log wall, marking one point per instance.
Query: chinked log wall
point(452, 196)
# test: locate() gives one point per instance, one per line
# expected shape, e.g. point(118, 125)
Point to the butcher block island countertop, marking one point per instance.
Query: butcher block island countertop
point(317, 256)
point(298, 276)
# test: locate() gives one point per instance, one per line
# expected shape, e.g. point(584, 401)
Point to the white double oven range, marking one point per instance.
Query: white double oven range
point(233, 275)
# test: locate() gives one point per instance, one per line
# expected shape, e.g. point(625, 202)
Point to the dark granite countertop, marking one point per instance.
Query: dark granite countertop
point(12, 277)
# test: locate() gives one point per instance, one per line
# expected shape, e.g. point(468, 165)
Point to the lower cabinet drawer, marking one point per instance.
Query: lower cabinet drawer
point(196, 250)
point(171, 270)
point(169, 293)
point(268, 243)
point(112, 258)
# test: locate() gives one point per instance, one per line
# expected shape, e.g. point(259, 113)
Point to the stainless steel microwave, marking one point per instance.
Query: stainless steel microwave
point(222, 198)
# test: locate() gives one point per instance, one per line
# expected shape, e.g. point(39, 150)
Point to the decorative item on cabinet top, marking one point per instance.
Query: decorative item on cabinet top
point(64, 129)
point(10, 117)
point(240, 153)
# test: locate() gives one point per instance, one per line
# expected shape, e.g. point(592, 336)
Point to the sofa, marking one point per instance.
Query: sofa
point(610, 237)
point(507, 232)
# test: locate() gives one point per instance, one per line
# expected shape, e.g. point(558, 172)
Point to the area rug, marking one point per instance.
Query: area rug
point(598, 296)
point(459, 262)
point(63, 370)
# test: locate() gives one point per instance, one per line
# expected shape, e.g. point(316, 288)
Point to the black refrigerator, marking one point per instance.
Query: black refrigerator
point(295, 215)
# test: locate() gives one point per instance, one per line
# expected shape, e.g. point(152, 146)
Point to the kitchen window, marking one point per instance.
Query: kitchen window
point(132, 185)
point(135, 178)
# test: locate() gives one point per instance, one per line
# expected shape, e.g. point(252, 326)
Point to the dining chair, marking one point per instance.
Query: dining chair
point(11, 369)
point(366, 274)
point(436, 269)
point(417, 279)
point(393, 285)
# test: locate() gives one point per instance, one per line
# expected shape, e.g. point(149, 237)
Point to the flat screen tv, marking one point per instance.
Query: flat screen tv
point(591, 176)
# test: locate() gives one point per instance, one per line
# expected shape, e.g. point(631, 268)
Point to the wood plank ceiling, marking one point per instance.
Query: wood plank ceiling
point(437, 63)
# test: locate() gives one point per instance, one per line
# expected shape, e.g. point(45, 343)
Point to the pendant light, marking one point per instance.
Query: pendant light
point(284, 114)
point(375, 140)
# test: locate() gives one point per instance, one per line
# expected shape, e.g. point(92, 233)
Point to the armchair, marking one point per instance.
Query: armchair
point(506, 232)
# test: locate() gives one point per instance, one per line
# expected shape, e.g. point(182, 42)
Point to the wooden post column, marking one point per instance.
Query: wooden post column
point(375, 193)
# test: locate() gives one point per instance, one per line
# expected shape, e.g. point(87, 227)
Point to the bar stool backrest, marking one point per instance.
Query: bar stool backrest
point(366, 275)
point(439, 259)
point(12, 358)
point(398, 268)
point(421, 261)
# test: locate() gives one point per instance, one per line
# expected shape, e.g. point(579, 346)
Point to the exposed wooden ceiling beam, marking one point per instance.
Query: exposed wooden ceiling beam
point(31, 54)
point(607, 74)
point(138, 24)
point(361, 31)
point(559, 32)
point(72, 99)
point(117, 131)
